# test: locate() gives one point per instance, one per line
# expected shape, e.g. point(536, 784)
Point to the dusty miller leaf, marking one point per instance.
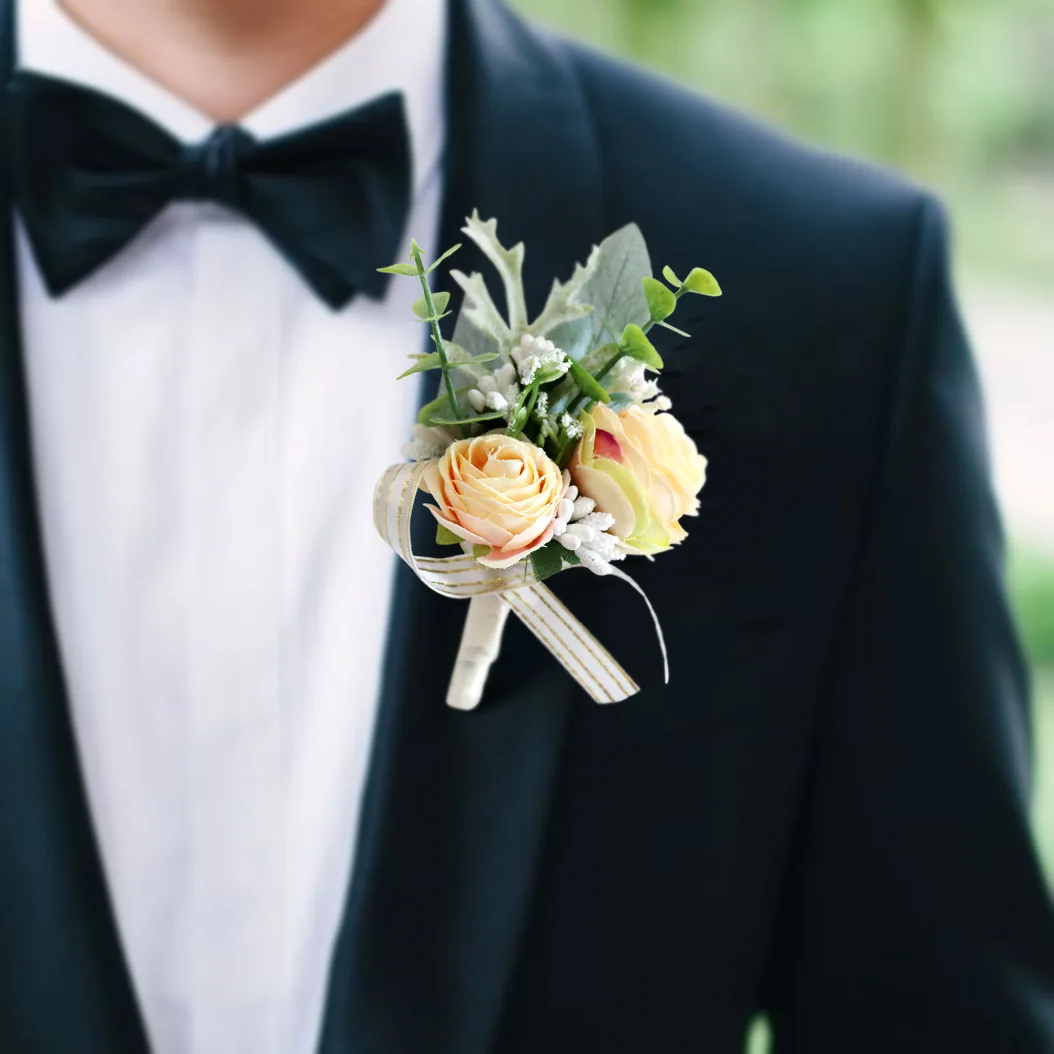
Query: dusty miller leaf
point(564, 304)
point(479, 309)
point(509, 265)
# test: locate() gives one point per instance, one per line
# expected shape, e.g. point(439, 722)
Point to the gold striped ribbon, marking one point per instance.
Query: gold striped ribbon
point(536, 606)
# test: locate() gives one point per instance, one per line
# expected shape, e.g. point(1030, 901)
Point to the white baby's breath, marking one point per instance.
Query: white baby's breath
point(534, 354)
point(571, 426)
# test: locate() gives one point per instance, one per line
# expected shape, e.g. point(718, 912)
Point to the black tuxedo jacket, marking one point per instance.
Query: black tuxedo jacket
point(824, 815)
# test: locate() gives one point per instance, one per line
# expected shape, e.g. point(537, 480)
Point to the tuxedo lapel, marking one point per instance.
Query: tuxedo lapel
point(457, 804)
point(63, 981)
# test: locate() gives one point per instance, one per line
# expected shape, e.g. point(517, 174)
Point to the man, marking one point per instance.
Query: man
point(823, 816)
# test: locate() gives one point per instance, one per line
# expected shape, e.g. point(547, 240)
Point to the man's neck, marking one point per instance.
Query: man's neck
point(223, 57)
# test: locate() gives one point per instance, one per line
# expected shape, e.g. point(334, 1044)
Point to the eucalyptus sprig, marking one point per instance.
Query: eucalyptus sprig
point(662, 302)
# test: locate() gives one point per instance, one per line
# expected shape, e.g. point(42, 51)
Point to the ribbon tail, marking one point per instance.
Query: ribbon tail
point(571, 644)
point(654, 618)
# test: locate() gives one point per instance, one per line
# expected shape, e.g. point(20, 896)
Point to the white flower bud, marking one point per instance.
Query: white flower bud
point(565, 510)
point(583, 507)
point(504, 376)
point(594, 562)
point(600, 521)
point(477, 400)
point(570, 541)
point(604, 545)
point(583, 530)
point(572, 493)
point(496, 401)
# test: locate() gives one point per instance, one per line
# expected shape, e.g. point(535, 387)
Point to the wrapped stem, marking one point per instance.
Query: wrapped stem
point(480, 644)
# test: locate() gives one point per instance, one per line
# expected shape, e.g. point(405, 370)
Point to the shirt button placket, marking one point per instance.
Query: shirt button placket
point(233, 433)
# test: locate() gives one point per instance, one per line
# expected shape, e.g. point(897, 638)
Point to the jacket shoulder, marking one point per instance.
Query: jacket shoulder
point(695, 155)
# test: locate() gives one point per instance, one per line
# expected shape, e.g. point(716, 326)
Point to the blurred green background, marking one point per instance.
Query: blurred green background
point(959, 95)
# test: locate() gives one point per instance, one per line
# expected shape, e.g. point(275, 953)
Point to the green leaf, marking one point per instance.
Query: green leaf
point(480, 550)
point(667, 273)
point(674, 329)
point(400, 268)
point(702, 282)
point(458, 356)
point(613, 289)
point(661, 302)
point(438, 407)
point(493, 416)
point(420, 307)
point(637, 346)
point(551, 559)
point(589, 385)
point(437, 262)
point(422, 365)
point(445, 536)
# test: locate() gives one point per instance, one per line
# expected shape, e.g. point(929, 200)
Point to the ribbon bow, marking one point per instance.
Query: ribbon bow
point(493, 594)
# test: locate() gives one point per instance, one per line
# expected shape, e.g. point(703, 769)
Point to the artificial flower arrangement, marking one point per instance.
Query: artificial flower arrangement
point(548, 447)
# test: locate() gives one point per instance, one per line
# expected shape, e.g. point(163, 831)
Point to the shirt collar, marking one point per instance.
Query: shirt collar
point(403, 48)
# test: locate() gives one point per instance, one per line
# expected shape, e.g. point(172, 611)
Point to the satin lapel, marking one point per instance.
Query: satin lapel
point(63, 981)
point(457, 804)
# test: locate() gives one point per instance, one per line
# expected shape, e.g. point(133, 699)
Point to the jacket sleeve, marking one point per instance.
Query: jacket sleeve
point(916, 917)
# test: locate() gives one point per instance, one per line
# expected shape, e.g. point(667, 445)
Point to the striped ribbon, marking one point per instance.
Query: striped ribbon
point(536, 606)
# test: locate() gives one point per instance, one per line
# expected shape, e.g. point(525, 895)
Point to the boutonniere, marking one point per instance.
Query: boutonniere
point(548, 447)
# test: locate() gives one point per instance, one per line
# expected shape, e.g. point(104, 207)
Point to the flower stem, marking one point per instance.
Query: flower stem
point(620, 355)
point(437, 337)
point(526, 400)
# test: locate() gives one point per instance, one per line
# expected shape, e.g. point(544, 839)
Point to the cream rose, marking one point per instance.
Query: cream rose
point(496, 491)
point(641, 467)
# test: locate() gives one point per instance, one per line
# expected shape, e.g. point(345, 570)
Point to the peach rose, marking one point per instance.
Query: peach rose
point(641, 467)
point(496, 491)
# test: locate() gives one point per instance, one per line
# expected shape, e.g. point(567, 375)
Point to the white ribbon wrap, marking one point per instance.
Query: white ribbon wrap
point(493, 593)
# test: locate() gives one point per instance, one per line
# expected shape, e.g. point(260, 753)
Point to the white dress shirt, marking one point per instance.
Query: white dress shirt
point(207, 435)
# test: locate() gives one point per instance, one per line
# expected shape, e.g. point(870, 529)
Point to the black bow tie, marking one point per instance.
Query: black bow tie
point(90, 173)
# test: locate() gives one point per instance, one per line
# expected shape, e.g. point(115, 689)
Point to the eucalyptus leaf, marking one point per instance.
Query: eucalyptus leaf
point(438, 407)
point(673, 329)
point(437, 262)
point(589, 385)
point(702, 282)
point(637, 346)
point(420, 307)
point(423, 364)
point(661, 302)
point(400, 268)
point(493, 416)
point(667, 273)
point(445, 536)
